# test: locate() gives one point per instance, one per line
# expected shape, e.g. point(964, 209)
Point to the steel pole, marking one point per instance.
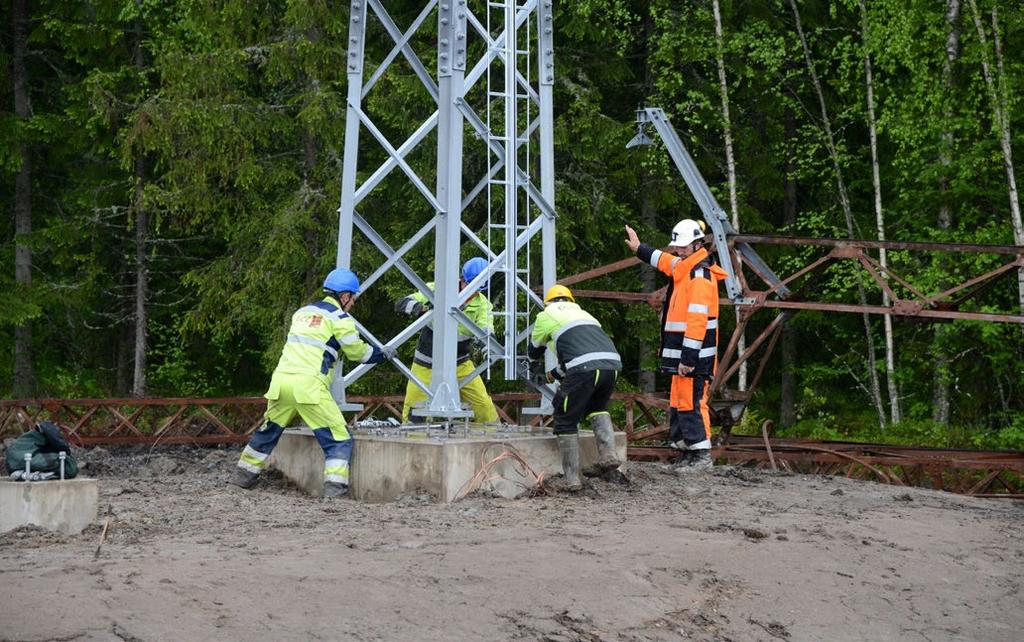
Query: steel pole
point(451, 69)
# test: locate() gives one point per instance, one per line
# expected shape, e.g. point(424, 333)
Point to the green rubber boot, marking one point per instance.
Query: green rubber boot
point(569, 446)
point(604, 435)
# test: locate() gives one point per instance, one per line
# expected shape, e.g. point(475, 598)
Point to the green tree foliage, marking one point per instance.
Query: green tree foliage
point(237, 110)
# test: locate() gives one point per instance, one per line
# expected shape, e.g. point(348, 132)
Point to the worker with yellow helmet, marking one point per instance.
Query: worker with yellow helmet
point(588, 367)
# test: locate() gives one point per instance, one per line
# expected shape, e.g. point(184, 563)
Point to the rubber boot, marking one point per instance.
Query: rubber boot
point(604, 435)
point(569, 446)
point(700, 461)
point(680, 460)
point(243, 478)
point(334, 489)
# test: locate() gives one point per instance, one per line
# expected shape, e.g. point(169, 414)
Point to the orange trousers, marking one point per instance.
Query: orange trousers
point(690, 419)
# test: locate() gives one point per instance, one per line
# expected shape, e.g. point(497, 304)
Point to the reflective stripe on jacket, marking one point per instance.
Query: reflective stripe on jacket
point(575, 337)
point(690, 314)
point(318, 333)
point(477, 308)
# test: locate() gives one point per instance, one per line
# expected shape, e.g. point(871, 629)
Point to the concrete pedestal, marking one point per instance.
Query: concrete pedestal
point(66, 506)
point(383, 468)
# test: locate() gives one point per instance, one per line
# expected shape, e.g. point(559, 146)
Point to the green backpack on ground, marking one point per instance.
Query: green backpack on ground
point(44, 443)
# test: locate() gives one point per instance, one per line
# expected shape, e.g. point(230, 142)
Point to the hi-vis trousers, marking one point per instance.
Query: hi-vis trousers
point(689, 418)
point(474, 393)
point(308, 397)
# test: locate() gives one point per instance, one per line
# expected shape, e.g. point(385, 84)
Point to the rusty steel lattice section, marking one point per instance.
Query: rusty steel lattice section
point(796, 292)
point(185, 420)
point(172, 420)
point(977, 473)
point(906, 299)
point(230, 420)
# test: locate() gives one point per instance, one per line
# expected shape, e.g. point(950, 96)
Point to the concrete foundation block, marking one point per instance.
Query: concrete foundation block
point(65, 506)
point(384, 468)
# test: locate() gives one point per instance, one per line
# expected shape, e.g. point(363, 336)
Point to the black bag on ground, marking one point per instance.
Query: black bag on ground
point(44, 443)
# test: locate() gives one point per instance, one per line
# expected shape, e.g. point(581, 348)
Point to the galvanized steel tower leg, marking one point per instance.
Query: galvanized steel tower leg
point(346, 210)
point(511, 144)
point(546, 75)
point(451, 71)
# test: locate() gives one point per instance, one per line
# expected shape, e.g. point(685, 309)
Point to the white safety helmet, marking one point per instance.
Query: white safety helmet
point(687, 231)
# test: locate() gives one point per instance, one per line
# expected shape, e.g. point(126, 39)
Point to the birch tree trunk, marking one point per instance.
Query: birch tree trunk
point(890, 353)
point(844, 200)
point(730, 161)
point(999, 96)
point(141, 239)
point(141, 280)
point(940, 390)
point(24, 374)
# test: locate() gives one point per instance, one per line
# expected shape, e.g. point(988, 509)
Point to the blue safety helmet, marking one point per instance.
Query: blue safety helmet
point(342, 280)
point(472, 269)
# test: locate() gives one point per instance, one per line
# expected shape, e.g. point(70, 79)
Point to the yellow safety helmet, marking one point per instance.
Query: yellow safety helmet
point(558, 292)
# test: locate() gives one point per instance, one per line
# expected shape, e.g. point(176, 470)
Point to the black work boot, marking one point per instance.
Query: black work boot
point(700, 461)
point(335, 489)
point(604, 436)
point(682, 459)
point(243, 478)
point(569, 446)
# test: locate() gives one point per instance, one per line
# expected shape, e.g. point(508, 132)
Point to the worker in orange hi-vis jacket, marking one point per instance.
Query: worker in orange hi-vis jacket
point(689, 335)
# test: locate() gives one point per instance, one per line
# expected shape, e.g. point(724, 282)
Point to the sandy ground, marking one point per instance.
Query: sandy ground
point(731, 555)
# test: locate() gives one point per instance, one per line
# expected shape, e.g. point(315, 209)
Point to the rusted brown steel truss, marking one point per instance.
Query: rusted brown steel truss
point(153, 421)
point(796, 292)
point(906, 299)
point(187, 420)
point(969, 472)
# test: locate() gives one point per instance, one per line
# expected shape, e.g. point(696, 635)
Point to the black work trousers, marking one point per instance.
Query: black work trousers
point(580, 395)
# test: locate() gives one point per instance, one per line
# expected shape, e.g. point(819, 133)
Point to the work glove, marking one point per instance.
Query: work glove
point(389, 353)
point(478, 350)
point(554, 375)
point(377, 356)
point(409, 306)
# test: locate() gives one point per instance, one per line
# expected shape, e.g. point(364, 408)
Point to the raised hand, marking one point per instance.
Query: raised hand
point(632, 240)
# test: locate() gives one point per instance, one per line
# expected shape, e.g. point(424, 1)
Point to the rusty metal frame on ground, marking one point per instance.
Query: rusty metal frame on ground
point(189, 420)
point(153, 421)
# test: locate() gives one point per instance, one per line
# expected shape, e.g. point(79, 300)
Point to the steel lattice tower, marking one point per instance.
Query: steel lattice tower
point(504, 102)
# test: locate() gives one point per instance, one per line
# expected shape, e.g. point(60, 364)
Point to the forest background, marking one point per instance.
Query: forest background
point(172, 170)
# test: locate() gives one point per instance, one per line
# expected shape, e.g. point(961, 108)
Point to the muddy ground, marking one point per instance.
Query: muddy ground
point(731, 555)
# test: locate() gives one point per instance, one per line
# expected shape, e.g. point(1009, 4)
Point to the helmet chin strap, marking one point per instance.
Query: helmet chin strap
point(339, 297)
